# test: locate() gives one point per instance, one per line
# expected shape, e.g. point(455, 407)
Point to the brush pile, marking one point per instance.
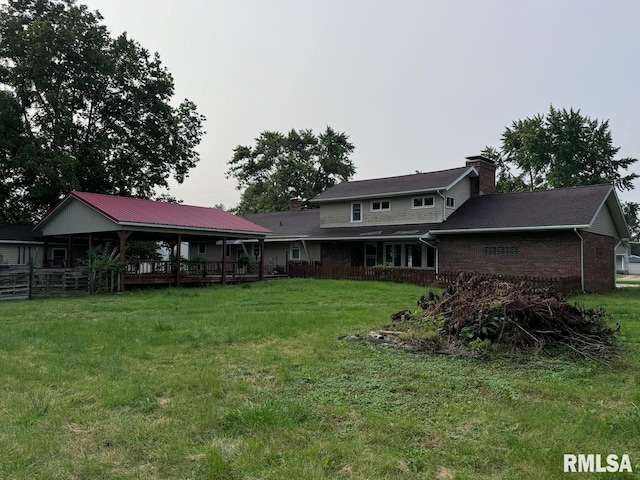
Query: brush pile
point(483, 311)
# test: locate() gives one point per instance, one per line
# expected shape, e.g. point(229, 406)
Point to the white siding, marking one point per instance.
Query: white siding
point(603, 224)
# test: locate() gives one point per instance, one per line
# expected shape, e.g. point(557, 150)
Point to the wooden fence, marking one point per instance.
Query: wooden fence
point(564, 285)
point(28, 282)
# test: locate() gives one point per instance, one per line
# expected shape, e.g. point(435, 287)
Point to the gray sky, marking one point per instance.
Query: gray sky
point(417, 85)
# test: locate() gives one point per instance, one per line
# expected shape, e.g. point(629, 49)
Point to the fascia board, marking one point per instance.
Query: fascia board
point(506, 229)
point(20, 242)
point(611, 200)
point(366, 238)
point(204, 232)
point(453, 184)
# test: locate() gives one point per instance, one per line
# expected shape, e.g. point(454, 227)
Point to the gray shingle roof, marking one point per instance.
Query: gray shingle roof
point(20, 233)
point(405, 184)
point(557, 208)
point(288, 223)
point(306, 224)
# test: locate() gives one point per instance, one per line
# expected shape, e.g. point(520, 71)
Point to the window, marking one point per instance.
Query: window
point(422, 202)
point(380, 205)
point(59, 257)
point(356, 212)
point(501, 250)
point(256, 251)
point(451, 202)
point(295, 251)
point(393, 254)
point(370, 255)
point(413, 256)
point(202, 248)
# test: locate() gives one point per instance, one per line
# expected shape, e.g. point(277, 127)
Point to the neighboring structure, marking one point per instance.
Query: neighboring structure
point(452, 220)
point(19, 245)
point(622, 258)
point(634, 265)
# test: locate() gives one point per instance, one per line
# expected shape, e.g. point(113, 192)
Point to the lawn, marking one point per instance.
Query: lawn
point(252, 381)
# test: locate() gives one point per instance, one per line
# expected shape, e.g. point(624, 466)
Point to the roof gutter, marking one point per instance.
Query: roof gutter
point(507, 229)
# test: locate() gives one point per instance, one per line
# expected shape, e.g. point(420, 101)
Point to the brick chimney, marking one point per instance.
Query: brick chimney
point(295, 204)
point(485, 184)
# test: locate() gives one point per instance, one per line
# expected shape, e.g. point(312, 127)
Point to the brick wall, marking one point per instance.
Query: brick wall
point(336, 253)
point(599, 262)
point(551, 254)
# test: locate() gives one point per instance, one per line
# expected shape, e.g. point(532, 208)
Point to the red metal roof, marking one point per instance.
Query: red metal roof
point(127, 210)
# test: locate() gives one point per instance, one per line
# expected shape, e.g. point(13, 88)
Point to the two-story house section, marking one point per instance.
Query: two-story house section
point(382, 221)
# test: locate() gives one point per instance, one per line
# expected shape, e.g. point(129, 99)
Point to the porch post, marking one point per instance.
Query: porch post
point(123, 256)
point(178, 260)
point(70, 249)
point(223, 280)
point(261, 267)
point(45, 255)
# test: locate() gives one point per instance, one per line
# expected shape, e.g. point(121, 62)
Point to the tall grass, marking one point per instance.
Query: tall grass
point(253, 381)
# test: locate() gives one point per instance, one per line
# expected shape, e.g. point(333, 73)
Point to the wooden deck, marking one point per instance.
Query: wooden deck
point(164, 273)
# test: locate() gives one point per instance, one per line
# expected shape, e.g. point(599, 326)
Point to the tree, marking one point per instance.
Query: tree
point(560, 149)
point(94, 111)
point(279, 167)
point(631, 212)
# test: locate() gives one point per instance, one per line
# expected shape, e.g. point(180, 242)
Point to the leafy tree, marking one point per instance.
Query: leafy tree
point(279, 167)
point(631, 212)
point(560, 149)
point(93, 112)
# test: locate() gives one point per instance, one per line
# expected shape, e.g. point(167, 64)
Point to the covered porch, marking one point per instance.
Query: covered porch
point(97, 220)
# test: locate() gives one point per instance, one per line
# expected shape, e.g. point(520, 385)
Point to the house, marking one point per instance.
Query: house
point(19, 245)
point(90, 219)
point(634, 265)
point(452, 220)
point(622, 258)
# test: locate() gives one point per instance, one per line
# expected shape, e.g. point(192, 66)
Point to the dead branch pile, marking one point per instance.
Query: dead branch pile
point(482, 309)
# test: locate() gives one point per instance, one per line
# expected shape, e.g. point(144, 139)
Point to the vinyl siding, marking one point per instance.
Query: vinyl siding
point(461, 192)
point(75, 217)
point(603, 223)
point(9, 254)
point(338, 214)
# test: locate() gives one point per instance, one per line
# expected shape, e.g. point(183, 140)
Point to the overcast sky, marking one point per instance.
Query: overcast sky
point(417, 85)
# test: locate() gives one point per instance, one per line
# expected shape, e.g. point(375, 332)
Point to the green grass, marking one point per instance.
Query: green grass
point(252, 381)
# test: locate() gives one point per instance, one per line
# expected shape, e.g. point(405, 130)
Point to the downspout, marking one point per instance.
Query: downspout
point(422, 240)
point(444, 205)
point(306, 252)
point(581, 258)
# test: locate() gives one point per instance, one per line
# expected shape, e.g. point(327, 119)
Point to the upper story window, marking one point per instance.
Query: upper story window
point(423, 202)
point(451, 202)
point(380, 205)
point(356, 212)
